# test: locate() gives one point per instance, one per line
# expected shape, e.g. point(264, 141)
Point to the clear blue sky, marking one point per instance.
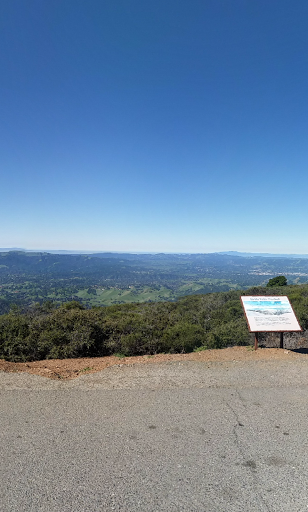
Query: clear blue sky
point(166, 125)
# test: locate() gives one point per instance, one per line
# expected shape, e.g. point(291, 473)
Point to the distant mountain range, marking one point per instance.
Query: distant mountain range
point(18, 249)
point(263, 254)
point(112, 253)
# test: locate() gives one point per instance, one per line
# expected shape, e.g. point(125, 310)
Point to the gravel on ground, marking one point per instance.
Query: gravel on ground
point(72, 368)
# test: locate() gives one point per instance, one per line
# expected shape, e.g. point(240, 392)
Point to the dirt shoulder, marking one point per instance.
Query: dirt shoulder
point(72, 368)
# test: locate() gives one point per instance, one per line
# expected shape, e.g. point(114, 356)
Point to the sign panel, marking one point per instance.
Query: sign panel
point(270, 314)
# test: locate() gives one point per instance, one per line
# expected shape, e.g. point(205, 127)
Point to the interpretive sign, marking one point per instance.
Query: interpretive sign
point(267, 314)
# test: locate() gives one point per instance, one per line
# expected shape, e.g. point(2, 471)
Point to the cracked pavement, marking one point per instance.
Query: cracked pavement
point(166, 437)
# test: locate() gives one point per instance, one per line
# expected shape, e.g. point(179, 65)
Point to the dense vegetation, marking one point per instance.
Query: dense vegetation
point(191, 323)
point(105, 279)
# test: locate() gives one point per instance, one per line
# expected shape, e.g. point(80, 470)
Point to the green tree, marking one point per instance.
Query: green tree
point(277, 281)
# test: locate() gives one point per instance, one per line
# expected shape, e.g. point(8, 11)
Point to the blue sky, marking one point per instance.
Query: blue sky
point(169, 126)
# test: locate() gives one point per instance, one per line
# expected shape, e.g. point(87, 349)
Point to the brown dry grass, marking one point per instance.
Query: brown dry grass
point(71, 368)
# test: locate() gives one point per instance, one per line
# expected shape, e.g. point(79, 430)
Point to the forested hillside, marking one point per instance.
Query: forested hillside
point(191, 323)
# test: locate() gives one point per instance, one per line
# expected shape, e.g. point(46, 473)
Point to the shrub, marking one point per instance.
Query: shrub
point(210, 321)
point(183, 337)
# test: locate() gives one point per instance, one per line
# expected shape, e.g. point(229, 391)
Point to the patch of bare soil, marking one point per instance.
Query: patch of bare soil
point(71, 368)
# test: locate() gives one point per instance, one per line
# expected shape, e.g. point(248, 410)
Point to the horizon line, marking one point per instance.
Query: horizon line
point(83, 251)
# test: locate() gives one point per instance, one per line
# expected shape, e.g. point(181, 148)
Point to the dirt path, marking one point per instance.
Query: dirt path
point(72, 368)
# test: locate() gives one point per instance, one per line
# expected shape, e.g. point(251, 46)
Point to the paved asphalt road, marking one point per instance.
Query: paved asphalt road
point(158, 437)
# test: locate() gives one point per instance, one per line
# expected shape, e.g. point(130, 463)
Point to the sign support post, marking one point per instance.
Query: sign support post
point(256, 340)
point(281, 340)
